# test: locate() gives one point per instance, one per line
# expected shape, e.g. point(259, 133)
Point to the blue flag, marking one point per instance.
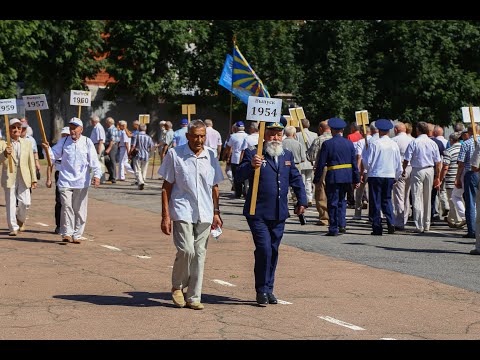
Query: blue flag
point(226, 80)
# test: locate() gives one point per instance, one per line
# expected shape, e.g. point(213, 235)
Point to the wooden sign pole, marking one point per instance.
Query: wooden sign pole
point(79, 111)
point(472, 120)
point(362, 116)
point(7, 130)
point(256, 178)
point(44, 136)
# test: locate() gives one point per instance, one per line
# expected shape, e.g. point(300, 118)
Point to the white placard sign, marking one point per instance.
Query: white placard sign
point(264, 109)
point(466, 114)
point(35, 102)
point(8, 106)
point(80, 97)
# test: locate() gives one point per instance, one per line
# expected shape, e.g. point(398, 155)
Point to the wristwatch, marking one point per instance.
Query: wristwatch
point(216, 211)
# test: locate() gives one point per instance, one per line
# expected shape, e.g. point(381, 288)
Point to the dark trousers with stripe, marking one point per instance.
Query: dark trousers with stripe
point(337, 206)
point(380, 198)
point(267, 235)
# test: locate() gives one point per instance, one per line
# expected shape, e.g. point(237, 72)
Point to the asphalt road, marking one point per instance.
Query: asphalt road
point(441, 254)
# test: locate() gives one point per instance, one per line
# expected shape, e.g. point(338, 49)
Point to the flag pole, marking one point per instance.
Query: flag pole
point(234, 40)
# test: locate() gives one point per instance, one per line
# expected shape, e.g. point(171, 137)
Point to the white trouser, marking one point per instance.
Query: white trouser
point(457, 206)
point(20, 192)
point(140, 170)
point(74, 211)
point(101, 159)
point(228, 171)
point(191, 242)
point(422, 183)
point(307, 176)
point(123, 163)
point(401, 198)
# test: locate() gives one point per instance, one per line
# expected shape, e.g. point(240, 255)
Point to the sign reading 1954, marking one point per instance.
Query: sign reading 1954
point(35, 102)
point(264, 109)
point(8, 106)
point(80, 97)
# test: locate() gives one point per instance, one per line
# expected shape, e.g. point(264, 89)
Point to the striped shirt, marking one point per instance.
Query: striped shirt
point(450, 157)
point(144, 144)
point(466, 152)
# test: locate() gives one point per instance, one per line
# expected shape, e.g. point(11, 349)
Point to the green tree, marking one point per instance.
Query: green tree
point(150, 58)
point(337, 77)
point(65, 56)
point(427, 70)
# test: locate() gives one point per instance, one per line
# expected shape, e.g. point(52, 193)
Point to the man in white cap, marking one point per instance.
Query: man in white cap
point(57, 163)
point(17, 183)
point(78, 156)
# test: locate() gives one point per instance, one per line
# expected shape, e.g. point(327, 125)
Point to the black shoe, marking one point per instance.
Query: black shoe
point(113, 181)
point(469, 236)
point(331, 234)
point(57, 230)
point(472, 252)
point(262, 298)
point(375, 233)
point(391, 229)
point(342, 230)
point(272, 299)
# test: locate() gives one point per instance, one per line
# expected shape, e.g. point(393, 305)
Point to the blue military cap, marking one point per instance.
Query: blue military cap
point(383, 124)
point(184, 121)
point(283, 121)
point(336, 123)
point(274, 125)
point(239, 124)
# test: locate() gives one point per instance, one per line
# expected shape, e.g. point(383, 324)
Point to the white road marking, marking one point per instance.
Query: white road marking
point(221, 282)
point(171, 266)
point(111, 247)
point(42, 224)
point(143, 256)
point(341, 323)
point(387, 339)
point(284, 302)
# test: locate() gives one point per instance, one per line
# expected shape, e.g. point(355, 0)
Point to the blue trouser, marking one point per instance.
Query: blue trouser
point(267, 235)
point(380, 197)
point(337, 206)
point(469, 193)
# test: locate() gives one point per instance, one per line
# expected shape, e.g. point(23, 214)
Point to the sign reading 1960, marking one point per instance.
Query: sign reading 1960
point(264, 109)
point(80, 97)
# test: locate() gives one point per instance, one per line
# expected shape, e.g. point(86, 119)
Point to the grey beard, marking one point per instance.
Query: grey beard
point(274, 148)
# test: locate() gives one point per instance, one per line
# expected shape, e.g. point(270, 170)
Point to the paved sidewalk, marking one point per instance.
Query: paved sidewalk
point(116, 285)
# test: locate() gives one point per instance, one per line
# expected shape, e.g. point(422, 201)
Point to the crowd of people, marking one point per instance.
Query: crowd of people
point(427, 178)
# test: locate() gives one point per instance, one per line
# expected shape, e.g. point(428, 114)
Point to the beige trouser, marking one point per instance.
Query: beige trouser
point(20, 192)
point(359, 196)
point(422, 183)
point(74, 211)
point(140, 170)
point(401, 198)
point(307, 177)
point(191, 242)
point(321, 199)
point(101, 159)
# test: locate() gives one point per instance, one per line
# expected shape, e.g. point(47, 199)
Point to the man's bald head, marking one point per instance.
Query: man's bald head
point(400, 127)
point(323, 126)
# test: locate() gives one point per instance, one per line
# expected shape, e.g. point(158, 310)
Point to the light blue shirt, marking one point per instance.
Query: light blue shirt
point(422, 152)
point(402, 140)
point(193, 178)
point(77, 158)
point(98, 133)
point(180, 137)
point(382, 159)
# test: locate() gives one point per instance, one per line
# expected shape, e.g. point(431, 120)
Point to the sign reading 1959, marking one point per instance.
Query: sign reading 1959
point(35, 102)
point(8, 106)
point(264, 109)
point(80, 97)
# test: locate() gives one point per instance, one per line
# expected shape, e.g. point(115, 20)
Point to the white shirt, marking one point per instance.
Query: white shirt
point(34, 143)
point(78, 157)
point(422, 152)
point(250, 140)
point(192, 178)
point(98, 133)
point(16, 149)
point(236, 142)
point(361, 143)
point(124, 139)
point(382, 159)
point(213, 139)
point(402, 140)
point(442, 139)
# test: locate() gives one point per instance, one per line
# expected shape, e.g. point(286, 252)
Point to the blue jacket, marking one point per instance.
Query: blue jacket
point(337, 151)
point(272, 195)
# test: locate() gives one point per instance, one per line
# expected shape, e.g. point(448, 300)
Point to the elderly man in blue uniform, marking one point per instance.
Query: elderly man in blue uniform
point(384, 166)
point(338, 155)
point(277, 173)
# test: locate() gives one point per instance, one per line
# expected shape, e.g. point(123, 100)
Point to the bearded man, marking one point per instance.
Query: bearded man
point(277, 173)
point(338, 155)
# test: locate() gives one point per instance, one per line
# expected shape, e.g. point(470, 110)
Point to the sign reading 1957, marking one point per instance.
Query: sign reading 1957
point(264, 109)
point(80, 97)
point(35, 102)
point(8, 106)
